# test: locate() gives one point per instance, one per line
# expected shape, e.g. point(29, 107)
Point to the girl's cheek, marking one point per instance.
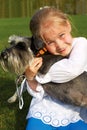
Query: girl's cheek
point(67, 40)
point(51, 49)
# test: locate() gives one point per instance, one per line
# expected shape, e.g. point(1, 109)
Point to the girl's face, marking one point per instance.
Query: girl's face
point(58, 39)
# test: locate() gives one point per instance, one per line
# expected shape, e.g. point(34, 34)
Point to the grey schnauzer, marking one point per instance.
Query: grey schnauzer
point(21, 53)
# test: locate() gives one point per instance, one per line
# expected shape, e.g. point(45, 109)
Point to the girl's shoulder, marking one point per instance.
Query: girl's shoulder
point(79, 41)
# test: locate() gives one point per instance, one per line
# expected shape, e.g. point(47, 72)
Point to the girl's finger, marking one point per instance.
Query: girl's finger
point(36, 62)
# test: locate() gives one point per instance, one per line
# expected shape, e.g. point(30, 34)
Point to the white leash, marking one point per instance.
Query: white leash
point(20, 81)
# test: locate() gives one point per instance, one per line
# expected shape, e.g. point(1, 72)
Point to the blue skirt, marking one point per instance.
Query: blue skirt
point(36, 124)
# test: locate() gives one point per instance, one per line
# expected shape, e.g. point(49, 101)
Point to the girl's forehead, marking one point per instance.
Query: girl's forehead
point(52, 25)
point(52, 30)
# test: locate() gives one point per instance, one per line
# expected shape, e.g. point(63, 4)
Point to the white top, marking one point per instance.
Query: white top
point(48, 109)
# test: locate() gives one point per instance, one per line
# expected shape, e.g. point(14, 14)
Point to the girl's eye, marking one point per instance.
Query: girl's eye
point(50, 43)
point(62, 35)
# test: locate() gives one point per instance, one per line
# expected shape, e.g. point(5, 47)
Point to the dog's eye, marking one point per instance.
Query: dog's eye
point(21, 45)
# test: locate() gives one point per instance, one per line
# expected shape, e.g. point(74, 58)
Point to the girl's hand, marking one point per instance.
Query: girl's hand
point(32, 70)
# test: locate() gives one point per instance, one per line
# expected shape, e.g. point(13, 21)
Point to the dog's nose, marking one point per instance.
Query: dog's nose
point(3, 55)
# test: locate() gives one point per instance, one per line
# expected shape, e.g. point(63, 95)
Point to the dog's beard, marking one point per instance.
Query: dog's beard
point(17, 61)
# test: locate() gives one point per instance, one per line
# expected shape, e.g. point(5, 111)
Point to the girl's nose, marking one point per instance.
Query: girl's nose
point(58, 43)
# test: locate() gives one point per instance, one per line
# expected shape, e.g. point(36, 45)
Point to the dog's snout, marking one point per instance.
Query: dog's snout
point(4, 55)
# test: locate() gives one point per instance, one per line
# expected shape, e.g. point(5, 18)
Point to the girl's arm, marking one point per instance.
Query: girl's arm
point(67, 69)
point(33, 87)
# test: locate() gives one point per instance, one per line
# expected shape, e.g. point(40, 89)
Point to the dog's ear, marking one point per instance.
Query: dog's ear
point(14, 39)
point(38, 43)
point(21, 45)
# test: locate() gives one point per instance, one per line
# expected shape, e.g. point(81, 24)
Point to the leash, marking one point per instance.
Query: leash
point(20, 84)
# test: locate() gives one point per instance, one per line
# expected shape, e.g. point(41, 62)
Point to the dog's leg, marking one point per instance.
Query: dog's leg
point(13, 98)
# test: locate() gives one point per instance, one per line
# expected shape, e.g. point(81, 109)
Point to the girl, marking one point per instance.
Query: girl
point(45, 113)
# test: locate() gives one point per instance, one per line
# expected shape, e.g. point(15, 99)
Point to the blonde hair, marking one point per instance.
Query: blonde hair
point(43, 17)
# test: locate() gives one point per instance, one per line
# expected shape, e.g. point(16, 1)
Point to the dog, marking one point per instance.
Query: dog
point(20, 54)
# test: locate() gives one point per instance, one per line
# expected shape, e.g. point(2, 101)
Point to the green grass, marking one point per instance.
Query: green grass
point(80, 23)
point(11, 118)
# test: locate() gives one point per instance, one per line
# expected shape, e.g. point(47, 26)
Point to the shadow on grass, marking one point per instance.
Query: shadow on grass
point(21, 114)
point(11, 118)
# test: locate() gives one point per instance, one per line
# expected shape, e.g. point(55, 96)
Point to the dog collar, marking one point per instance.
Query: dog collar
point(41, 52)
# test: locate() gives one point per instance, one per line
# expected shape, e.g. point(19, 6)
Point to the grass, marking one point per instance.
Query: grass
point(80, 22)
point(11, 118)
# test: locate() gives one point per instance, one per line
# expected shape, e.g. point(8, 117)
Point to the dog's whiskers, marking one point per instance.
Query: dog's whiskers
point(3, 66)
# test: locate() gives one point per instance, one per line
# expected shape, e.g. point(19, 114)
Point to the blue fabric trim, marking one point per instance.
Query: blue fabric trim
point(37, 124)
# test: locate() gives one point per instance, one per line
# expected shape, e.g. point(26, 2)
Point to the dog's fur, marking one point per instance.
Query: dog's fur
point(20, 54)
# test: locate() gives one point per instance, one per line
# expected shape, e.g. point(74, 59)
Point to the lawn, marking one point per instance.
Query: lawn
point(11, 118)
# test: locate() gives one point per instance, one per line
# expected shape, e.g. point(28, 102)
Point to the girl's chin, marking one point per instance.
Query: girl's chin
point(64, 54)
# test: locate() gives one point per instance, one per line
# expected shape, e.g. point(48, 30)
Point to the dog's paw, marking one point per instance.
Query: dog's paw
point(13, 98)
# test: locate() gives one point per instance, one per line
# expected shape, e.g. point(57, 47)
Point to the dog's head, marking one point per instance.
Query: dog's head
point(20, 53)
